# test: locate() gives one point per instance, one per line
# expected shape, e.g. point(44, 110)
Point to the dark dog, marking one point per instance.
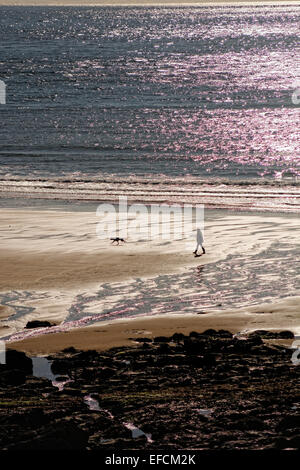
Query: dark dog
point(117, 240)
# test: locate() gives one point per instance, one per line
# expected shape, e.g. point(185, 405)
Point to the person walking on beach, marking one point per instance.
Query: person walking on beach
point(199, 243)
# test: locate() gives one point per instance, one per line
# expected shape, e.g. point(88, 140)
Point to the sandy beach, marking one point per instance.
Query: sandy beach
point(49, 258)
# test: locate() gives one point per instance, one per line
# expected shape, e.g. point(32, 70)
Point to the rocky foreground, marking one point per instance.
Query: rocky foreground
point(203, 391)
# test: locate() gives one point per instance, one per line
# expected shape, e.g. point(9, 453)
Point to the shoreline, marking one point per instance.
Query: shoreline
point(217, 194)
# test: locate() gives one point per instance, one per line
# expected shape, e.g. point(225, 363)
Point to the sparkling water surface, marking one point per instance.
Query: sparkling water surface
point(157, 92)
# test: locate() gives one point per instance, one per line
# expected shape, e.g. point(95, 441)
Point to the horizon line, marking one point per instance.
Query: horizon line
point(149, 3)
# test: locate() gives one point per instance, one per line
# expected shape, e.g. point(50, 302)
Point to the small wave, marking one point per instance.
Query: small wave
point(265, 195)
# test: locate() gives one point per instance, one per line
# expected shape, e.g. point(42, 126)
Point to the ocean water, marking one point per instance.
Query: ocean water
point(185, 104)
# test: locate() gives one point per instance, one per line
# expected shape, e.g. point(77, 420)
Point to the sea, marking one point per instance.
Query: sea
point(194, 104)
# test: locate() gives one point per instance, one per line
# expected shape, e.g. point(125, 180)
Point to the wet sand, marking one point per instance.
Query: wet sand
point(5, 312)
point(60, 249)
point(55, 270)
point(279, 316)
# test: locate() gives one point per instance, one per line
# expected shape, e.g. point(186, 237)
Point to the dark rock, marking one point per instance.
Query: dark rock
point(294, 442)
point(62, 435)
point(39, 324)
point(225, 334)
point(284, 443)
point(106, 372)
point(196, 361)
point(69, 390)
point(12, 377)
point(247, 345)
point(209, 332)
point(194, 334)
point(164, 348)
point(194, 346)
point(286, 335)
point(273, 334)
point(89, 374)
point(247, 423)
point(209, 360)
point(17, 360)
point(208, 391)
point(289, 422)
point(178, 337)
point(34, 417)
point(255, 340)
point(70, 350)
point(161, 339)
point(37, 417)
point(261, 333)
point(61, 378)
point(87, 355)
point(60, 366)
